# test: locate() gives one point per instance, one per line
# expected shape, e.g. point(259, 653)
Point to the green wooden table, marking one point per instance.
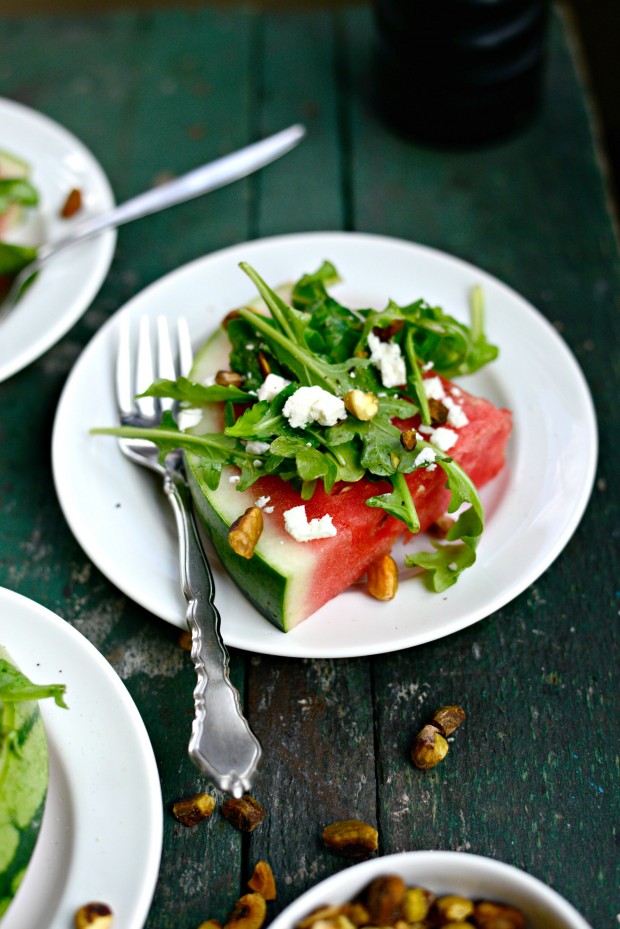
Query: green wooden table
point(534, 780)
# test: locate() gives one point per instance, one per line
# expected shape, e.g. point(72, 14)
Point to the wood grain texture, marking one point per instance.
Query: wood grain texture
point(531, 776)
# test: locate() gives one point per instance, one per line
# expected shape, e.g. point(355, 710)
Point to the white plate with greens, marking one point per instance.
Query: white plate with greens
point(101, 834)
point(64, 289)
point(121, 519)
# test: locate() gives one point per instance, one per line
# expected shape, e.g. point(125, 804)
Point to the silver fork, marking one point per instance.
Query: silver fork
point(222, 744)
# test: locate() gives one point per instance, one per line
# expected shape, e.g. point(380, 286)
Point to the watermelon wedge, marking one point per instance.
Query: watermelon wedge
point(23, 773)
point(344, 428)
point(287, 580)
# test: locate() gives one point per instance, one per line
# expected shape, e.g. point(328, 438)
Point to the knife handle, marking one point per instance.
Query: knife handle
point(222, 745)
point(208, 177)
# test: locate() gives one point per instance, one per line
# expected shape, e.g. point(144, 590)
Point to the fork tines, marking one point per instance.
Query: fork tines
point(134, 375)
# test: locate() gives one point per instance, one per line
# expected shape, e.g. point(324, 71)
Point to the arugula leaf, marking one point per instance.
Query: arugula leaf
point(331, 463)
point(447, 562)
point(286, 341)
point(13, 258)
point(291, 322)
point(244, 358)
point(217, 449)
point(332, 331)
point(382, 449)
point(15, 687)
point(311, 288)
point(288, 446)
point(313, 464)
point(415, 379)
point(398, 503)
point(263, 420)
point(251, 470)
point(480, 352)
point(184, 389)
point(17, 190)
point(431, 335)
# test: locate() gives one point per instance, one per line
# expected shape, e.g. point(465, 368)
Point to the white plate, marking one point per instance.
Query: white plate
point(101, 833)
point(119, 516)
point(473, 876)
point(67, 285)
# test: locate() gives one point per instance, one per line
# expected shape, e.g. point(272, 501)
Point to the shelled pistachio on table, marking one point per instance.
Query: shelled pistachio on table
point(431, 743)
point(250, 910)
point(388, 902)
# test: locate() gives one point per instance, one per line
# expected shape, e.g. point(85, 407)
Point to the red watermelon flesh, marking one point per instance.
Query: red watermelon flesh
point(364, 533)
point(480, 451)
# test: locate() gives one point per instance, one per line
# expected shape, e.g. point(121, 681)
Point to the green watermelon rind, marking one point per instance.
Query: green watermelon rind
point(13, 166)
point(278, 576)
point(257, 575)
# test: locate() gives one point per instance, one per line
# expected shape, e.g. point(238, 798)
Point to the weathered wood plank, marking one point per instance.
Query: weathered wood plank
point(299, 84)
point(313, 719)
point(162, 106)
point(193, 103)
point(528, 777)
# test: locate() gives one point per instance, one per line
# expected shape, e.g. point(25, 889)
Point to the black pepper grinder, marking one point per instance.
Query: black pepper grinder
point(459, 72)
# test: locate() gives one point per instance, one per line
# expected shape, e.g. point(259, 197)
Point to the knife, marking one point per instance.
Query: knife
point(215, 174)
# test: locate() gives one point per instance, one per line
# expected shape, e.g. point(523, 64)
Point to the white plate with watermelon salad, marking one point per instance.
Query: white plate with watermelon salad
point(64, 289)
point(121, 519)
point(101, 833)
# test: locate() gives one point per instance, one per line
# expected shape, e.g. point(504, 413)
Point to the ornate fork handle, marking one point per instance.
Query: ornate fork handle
point(222, 743)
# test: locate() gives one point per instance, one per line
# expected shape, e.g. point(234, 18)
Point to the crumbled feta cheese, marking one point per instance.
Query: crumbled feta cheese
point(426, 456)
point(387, 356)
point(255, 447)
point(260, 503)
point(234, 478)
point(428, 366)
point(271, 387)
point(456, 392)
point(313, 405)
point(268, 509)
point(250, 347)
point(456, 414)
point(433, 388)
point(257, 463)
point(296, 524)
point(444, 438)
point(189, 417)
point(426, 430)
point(209, 381)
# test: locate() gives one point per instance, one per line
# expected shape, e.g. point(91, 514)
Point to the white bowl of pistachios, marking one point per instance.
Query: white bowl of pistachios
point(431, 888)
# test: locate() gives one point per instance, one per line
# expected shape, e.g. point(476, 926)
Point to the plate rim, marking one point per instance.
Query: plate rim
point(110, 684)
point(105, 243)
point(274, 646)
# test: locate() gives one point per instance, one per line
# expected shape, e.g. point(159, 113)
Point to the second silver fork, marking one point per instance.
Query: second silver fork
point(222, 744)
